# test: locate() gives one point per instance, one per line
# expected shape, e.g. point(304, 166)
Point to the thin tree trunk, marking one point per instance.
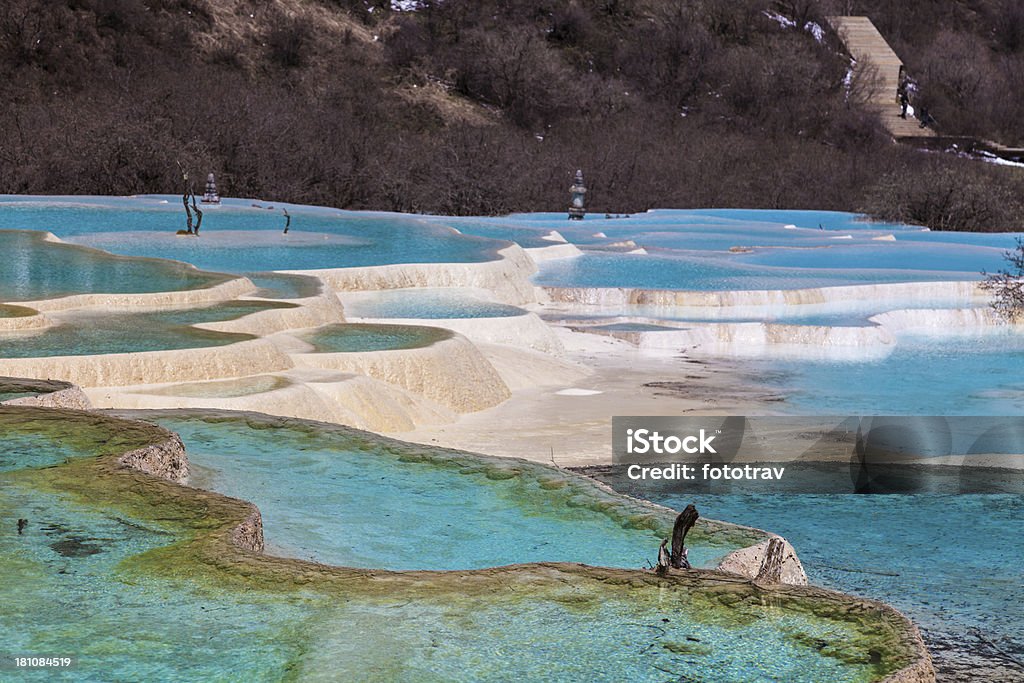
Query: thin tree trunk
point(771, 565)
point(684, 522)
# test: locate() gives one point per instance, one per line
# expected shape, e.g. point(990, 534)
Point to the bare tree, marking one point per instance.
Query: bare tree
point(189, 195)
point(1007, 285)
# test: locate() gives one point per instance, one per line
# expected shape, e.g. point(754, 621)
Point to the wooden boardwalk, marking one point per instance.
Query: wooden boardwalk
point(866, 45)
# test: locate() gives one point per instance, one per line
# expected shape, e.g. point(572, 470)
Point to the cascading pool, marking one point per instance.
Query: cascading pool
point(950, 562)
point(238, 237)
point(339, 497)
point(37, 269)
point(105, 571)
point(359, 337)
point(93, 333)
point(426, 304)
point(965, 374)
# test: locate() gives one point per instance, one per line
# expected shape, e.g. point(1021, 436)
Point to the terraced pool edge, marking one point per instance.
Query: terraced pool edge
point(221, 539)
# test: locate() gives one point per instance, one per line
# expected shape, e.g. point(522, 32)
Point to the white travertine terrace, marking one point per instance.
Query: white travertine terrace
point(556, 251)
point(451, 372)
point(522, 331)
point(314, 311)
point(224, 291)
point(507, 278)
point(775, 299)
point(24, 323)
point(255, 356)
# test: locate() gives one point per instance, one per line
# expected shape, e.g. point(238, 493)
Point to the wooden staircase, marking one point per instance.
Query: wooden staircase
point(866, 45)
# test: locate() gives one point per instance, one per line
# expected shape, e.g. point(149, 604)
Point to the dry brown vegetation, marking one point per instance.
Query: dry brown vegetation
point(488, 106)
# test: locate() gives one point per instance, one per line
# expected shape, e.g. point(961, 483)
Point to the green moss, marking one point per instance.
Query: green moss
point(200, 553)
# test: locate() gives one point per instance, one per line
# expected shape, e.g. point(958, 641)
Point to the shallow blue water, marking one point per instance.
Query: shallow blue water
point(952, 563)
point(358, 337)
point(93, 333)
point(427, 304)
point(64, 594)
point(71, 588)
point(700, 273)
point(237, 238)
point(32, 268)
point(961, 375)
point(690, 249)
point(329, 498)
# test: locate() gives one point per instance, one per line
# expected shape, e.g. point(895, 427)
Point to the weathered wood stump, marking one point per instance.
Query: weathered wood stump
point(771, 565)
point(676, 558)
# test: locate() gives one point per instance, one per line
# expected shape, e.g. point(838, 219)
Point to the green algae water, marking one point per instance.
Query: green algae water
point(347, 498)
point(426, 303)
point(358, 337)
point(75, 586)
point(91, 333)
point(232, 388)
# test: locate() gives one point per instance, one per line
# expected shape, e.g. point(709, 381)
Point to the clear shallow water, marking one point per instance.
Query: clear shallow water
point(701, 273)
point(427, 304)
point(36, 269)
point(961, 375)
point(331, 498)
point(74, 586)
point(951, 563)
point(64, 594)
point(614, 638)
point(282, 286)
point(238, 238)
point(15, 311)
point(233, 388)
point(84, 334)
point(358, 337)
point(690, 250)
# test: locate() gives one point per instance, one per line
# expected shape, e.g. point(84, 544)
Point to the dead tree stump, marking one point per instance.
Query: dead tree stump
point(771, 565)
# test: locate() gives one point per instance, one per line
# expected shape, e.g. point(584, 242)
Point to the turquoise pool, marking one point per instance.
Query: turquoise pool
point(374, 508)
point(93, 333)
point(968, 374)
point(685, 271)
point(36, 269)
point(76, 584)
point(689, 249)
point(950, 562)
point(359, 337)
point(426, 304)
point(239, 238)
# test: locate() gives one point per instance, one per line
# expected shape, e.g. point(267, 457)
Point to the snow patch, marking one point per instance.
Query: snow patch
point(784, 22)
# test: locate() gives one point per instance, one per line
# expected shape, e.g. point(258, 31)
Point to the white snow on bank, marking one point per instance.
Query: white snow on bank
point(999, 161)
point(784, 22)
point(811, 27)
point(405, 5)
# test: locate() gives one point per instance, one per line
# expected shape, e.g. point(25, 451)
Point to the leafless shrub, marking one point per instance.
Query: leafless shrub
point(1007, 286)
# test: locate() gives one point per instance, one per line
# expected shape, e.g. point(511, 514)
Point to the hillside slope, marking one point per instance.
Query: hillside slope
point(488, 106)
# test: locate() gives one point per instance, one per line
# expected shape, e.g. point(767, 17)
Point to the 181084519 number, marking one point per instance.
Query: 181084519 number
point(42, 662)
